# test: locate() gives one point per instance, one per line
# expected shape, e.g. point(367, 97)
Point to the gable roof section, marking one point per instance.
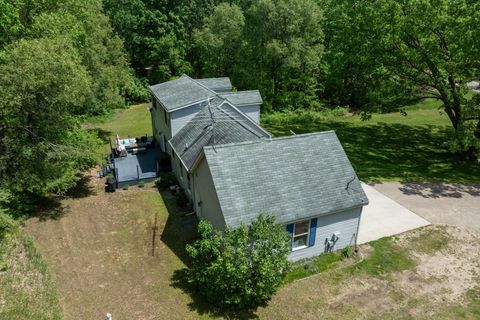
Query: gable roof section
point(180, 92)
point(295, 178)
point(243, 98)
point(230, 126)
point(216, 84)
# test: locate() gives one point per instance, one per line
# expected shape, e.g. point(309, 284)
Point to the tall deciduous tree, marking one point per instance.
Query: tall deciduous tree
point(42, 148)
point(221, 41)
point(434, 45)
point(153, 35)
point(286, 45)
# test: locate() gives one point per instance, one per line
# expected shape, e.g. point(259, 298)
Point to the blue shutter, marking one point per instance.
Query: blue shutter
point(290, 230)
point(313, 232)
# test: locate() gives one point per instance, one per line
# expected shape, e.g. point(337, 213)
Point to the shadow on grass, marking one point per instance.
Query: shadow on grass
point(382, 152)
point(82, 189)
point(49, 208)
point(180, 229)
point(439, 190)
point(202, 307)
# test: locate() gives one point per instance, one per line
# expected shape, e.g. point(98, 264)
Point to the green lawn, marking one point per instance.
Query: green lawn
point(132, 122)
point(389, 147)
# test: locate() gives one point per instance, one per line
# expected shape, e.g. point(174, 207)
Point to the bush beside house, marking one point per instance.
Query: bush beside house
point(242, 267)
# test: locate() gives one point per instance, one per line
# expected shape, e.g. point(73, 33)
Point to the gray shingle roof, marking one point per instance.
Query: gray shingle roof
point(216, 84)
point(243, 98)
point(180, 92)
point(295, 178)
point(231, 126)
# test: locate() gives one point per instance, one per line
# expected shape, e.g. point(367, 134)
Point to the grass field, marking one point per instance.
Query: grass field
point(124, 252)
point(27, 290)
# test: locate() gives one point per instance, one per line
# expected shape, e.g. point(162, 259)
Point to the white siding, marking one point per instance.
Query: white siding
point(253, 112)
point(204, 191)
point(179, 118)
point(345, 223)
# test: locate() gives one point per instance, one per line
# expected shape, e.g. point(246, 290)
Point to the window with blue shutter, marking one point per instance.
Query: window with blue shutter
point(290, 230)
point(313, 232)
point(303, 234)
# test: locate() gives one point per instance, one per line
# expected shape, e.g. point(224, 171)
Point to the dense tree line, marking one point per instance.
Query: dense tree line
point(59, 62)
point(367, 55)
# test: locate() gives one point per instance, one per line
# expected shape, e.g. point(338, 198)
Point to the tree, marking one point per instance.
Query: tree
point(240, 267)
point(434, 45)
point(285, 48)
point(221, 41)
point(9, 22)
point(42, 147)
point(100, 50)
point(152, 33)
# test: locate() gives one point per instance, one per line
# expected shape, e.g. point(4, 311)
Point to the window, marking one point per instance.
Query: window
point(165, 115)
point(300, 235)
point(180, 167)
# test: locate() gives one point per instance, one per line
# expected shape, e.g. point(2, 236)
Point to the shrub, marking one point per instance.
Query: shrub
point(239, 268)
point(7, 224)
point(165, 180)
point(181, 198)
point(141, 184)
point(125, 186)
point(347, 252)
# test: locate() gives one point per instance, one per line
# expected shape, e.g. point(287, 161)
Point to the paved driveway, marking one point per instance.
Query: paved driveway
point(384, 217)
point(452, 204)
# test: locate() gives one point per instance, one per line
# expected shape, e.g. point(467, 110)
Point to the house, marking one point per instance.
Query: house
point(232, 169)
point(176, 102)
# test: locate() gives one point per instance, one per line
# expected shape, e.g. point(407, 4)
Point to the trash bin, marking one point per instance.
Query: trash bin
point(111, 184)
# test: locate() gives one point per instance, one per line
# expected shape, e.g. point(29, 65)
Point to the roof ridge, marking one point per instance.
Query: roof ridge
point(198, 83)
point(241, 91)
point(273, 139)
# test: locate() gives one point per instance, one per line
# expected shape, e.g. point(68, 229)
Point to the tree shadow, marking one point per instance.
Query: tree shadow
point(439, 190)
point(49, 208)
point(180, 227)
point(82, 189)
point(202, 307)
point(392, 151)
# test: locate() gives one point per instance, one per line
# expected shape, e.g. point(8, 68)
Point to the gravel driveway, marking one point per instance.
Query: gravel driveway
point(452, 204)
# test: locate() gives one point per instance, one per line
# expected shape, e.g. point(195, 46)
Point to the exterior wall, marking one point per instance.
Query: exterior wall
point(179, 118)
point(253, 112)
point(345, 223)
point(204, 192)
point(160, 128)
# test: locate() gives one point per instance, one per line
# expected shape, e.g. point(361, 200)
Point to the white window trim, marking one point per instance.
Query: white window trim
point(302, 234)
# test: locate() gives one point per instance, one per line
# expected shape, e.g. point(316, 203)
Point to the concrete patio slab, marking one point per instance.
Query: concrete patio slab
point(384, 217)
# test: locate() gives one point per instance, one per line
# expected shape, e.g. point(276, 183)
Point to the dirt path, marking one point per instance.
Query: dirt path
point(452, 204)
point(99, 247)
